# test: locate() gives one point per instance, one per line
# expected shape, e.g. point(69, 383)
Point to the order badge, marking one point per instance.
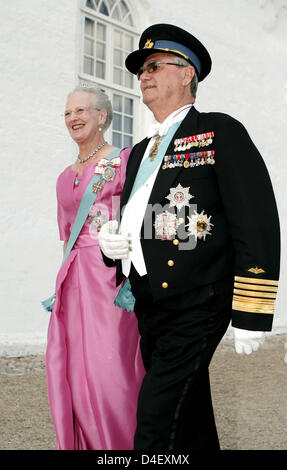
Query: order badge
point(199, 225)
point(179, 197)
point(166, 225)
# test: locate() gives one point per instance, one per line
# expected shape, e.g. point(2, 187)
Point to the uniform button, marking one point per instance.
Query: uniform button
point(164, 285)
point(170, 262)
point(180, 220)
point(175, 241)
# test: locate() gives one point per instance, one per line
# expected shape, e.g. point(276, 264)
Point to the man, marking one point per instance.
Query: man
point(198, 241)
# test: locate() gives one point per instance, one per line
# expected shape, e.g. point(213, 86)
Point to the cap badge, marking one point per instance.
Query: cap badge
point(149, 44)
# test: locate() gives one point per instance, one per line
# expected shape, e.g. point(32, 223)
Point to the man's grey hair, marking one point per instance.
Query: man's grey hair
point(101, 101)
point(194, 81)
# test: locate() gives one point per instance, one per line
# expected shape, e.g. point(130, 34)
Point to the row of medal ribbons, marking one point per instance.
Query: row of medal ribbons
point(189, 159)
point(199, 140)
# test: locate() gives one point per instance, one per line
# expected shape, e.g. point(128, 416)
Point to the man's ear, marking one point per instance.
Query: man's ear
point(188, 75)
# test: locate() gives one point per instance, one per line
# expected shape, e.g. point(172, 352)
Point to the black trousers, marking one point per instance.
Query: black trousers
point(178, 339)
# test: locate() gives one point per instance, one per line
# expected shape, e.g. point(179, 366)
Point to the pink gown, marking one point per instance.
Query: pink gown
point(94, 368)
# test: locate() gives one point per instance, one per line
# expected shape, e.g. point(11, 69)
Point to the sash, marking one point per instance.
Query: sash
point(147, 167)
point(125, 298)
point(87, 201)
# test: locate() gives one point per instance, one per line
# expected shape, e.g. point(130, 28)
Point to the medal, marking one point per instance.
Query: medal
point(179, 197)
point(107, 169)
point(154, 149)
point(109, 173)
point(97, 186)
point(199, 225)
point(189, 159)
point(198, 140)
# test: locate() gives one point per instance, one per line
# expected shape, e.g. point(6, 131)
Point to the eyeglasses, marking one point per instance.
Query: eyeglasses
point(153, 67)
point(78, 111)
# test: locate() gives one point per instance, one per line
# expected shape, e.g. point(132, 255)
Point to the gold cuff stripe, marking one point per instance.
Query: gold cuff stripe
point(252, 308)
point(251, 280)
point(255, 293)
point(253, 300)
point(253, 287)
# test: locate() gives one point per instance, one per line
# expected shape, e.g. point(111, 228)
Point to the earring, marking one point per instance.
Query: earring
point(100, 129)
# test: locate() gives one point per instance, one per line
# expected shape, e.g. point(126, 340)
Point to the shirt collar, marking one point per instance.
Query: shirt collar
point(161, 128)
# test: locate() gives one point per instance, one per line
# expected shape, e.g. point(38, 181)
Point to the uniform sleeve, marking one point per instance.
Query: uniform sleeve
point(252, 216)
point(64, 225)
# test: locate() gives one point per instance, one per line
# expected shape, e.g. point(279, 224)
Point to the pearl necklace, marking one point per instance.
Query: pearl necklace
point(82, 160)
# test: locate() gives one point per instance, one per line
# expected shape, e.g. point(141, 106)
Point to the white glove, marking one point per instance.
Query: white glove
point(113, 245)
point(246, 341)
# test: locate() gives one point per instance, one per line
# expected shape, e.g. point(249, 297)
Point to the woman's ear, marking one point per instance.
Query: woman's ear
point(103, 117)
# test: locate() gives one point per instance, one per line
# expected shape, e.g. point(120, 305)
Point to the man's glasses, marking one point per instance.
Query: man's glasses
point(154, 66)
point(78, 111)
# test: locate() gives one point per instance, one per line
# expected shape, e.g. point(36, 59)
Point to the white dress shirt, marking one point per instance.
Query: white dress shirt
point(135, 209)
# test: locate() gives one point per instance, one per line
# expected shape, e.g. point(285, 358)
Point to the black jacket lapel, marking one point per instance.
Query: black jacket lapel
point(166, 177)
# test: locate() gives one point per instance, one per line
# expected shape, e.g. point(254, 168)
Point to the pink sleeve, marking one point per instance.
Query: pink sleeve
point(125, 153)
point(63, 224)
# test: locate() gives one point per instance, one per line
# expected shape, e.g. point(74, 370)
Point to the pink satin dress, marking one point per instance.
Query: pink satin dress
point(94, 368)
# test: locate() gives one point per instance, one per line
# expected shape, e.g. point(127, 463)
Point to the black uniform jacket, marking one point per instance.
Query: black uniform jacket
point(236, 194)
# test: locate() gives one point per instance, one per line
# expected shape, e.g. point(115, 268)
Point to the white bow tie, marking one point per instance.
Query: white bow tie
point(161, 128)
point(157, 128)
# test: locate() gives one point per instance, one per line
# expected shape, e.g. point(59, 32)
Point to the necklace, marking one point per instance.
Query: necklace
point(82, 160)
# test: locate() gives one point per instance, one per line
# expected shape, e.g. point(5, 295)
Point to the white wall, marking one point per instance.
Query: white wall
point(38, 68)
point(39, 41)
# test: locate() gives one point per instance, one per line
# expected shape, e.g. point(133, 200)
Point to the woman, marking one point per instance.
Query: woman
point(93, 361)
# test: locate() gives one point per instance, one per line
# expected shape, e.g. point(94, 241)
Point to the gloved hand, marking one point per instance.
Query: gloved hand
point(246, 341)
point(113, 245)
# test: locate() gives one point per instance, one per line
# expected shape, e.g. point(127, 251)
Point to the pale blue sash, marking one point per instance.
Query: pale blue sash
point(147, 166)
point(125, 298)
point(87, 201)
